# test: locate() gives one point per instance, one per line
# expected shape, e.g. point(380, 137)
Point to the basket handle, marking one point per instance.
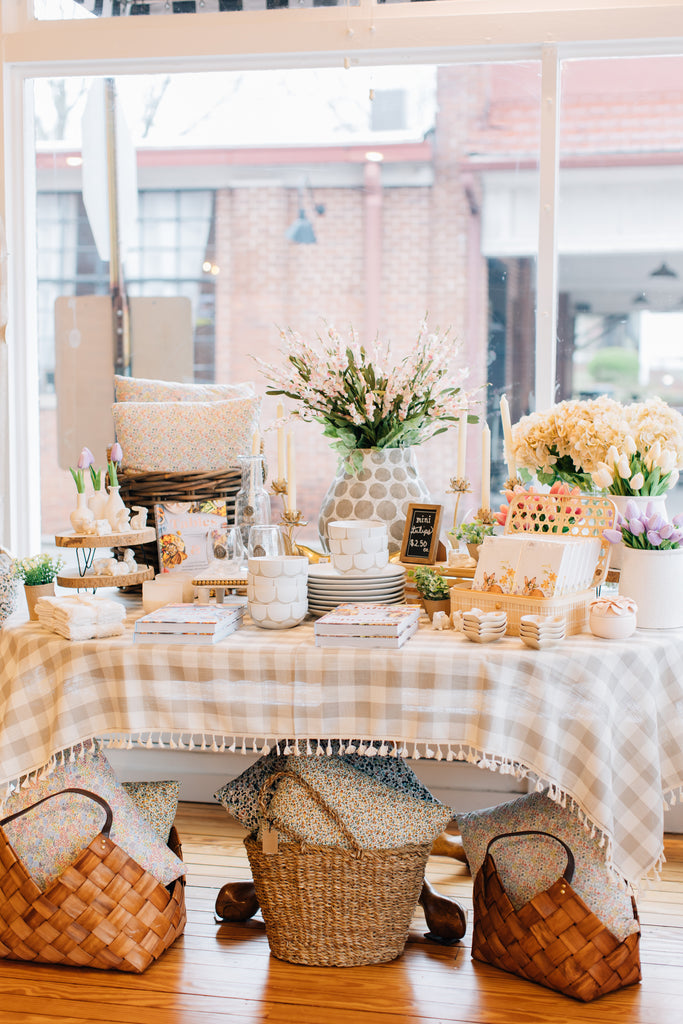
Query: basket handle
point(568, 873)
point(316, 797)
point(70, 789)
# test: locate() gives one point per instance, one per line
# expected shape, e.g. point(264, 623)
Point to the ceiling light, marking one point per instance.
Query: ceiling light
point(663, 271)
point(640, 299)
point(374, 157)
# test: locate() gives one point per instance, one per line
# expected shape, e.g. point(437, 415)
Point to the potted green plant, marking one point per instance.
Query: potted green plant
point(433, 588)
point(473, 534)
point(38, 574)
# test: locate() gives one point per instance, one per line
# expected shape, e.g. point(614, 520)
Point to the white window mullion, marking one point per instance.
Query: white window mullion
point(546, 274)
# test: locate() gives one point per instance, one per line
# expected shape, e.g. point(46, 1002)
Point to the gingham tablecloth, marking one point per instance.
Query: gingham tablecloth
point(600, 722)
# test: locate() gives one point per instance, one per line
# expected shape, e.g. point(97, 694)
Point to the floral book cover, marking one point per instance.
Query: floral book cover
point(190, 535)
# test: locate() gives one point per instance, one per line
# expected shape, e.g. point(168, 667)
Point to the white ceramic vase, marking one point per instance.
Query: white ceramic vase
point(654, 580)
point(82, 516)
point(386, 483)
point(641, 502)
point(277, 591)
point(114, 506)
point(97, 503)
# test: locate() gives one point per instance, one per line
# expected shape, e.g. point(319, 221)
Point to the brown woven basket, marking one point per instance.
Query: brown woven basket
point(103, 911)
point(554, 939)
point(329, 906)
point(150, 489)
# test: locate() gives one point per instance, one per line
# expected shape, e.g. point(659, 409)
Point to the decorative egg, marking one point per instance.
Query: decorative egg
point(612, 618)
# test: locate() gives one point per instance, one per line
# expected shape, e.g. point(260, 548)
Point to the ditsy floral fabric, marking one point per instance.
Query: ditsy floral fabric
point(142, 389)
point(185, 437)
point(157, 803)
point(239, 796)
point(49, 838)
point(378, 816)
point(530, 864)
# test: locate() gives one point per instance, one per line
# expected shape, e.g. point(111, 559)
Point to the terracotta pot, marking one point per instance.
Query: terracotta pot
point(32, 595)
point(436, 606)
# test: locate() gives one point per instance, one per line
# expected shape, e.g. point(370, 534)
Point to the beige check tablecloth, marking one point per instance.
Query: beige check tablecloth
point(599, 722)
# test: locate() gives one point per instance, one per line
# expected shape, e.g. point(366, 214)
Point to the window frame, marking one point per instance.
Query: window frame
point(467, 31)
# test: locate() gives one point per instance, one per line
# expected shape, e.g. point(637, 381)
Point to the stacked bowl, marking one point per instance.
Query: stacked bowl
point(359, 546)
point(484, 627)
point(541, 631)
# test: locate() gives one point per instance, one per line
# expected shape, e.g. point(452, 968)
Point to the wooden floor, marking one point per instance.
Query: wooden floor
point(224, 973)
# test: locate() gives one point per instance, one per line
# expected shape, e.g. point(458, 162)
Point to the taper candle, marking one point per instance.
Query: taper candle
point(280, 443)
point(256, 443)
point(507, 438)
point(291, 473)
point(486, 467)
point(461, 467)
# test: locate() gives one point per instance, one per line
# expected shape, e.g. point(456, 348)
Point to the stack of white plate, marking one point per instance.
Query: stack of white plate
point(327, 587)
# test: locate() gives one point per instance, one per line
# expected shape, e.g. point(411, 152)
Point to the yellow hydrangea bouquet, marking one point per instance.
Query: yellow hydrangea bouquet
point(601, 444)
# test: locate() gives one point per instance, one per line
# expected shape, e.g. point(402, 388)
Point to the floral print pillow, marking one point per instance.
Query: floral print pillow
point(185, 437)
point(48, 838)
point(141, 389)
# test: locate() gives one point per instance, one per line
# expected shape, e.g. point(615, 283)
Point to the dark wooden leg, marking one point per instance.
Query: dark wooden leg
point(236, 901)
point(446, 919)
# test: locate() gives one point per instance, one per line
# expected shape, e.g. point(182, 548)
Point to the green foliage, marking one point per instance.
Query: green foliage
point(472, 533)
point(37, 570)
point(614, 365)
point(430, 584)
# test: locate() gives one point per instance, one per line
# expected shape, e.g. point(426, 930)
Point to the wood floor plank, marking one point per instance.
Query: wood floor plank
point(221, 973)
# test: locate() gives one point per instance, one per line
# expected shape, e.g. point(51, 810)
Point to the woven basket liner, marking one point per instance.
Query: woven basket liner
point(150, 489)
point(103, 911)
point(553, 940)
point(330, 906)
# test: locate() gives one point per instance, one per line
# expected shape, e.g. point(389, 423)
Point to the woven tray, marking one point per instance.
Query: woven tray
point(103, 911)
point(331, 906)
point(150, 489)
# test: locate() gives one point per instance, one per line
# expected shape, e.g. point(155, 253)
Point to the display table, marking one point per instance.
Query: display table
point(601, 723)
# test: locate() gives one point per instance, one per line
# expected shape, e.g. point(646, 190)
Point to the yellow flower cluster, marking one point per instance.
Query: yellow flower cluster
point(653, 421)
point(581, 431)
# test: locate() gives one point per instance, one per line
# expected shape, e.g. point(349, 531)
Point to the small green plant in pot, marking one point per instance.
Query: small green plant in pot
point(473, 534)
point(38, 575)
point(433, 588)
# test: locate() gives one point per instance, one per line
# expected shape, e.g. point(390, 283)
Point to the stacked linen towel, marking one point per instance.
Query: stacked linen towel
point(81, 617)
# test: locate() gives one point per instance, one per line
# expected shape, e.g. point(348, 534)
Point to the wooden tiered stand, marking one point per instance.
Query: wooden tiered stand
point(87, 544)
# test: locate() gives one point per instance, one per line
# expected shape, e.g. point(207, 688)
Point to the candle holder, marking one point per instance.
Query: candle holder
point(279, 488)
point(459, 485)
point(291, 520)
point(485, 516)
point(512, 482)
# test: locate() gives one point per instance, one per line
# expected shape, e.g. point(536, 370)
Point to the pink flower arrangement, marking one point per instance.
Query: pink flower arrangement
point(647, 530)
point(559, 489)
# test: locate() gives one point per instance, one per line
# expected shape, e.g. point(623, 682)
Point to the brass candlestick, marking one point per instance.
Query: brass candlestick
point(280, 487)
point(291, 520)
point(512, 482)
point(459, 485)
point(486, 517)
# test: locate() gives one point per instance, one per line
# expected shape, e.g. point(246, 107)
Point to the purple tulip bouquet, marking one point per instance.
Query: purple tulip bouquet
point(646, 530)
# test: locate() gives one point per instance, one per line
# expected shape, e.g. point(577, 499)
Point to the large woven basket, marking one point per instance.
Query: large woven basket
point(150, 489)
point(331, 906)
point(554, 940)
point(103, 911)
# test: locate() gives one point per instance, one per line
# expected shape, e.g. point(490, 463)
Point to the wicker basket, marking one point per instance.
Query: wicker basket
point(103, 911)
point(574, 607)
point(329, 906)
point(150, 489)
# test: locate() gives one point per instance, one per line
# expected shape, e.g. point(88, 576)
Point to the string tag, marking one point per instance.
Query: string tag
point(269, 840)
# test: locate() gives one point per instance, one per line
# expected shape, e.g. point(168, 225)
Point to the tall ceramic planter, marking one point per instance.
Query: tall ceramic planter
point(641, 502)
point(386, 483)
point(654, 580)
point(82, 516)
point(114, 507)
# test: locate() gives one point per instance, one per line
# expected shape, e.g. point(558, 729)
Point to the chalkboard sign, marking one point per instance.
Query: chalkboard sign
point(421, 534)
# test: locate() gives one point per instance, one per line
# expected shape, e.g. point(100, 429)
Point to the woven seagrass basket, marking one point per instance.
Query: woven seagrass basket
point(103, 911)
point(150, 489)
point(331, 906)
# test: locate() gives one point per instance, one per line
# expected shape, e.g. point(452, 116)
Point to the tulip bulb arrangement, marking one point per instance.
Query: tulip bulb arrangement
point(85, 461)
point(115, 457)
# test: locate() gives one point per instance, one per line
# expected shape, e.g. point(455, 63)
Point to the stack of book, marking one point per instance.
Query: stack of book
point(189, 623)
point(366, 625)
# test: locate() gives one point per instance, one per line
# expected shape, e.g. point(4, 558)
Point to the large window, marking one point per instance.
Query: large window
point(429, 136)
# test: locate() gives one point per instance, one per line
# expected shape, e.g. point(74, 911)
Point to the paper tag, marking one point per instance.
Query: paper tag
point(269, 840)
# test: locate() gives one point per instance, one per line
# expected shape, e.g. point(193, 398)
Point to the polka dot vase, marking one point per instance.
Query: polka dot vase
point(383, 487)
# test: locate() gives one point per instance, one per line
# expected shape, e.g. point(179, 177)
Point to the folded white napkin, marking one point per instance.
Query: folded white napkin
point(81, 616)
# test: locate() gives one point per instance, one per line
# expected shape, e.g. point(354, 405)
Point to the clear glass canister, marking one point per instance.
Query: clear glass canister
point(252, 501)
